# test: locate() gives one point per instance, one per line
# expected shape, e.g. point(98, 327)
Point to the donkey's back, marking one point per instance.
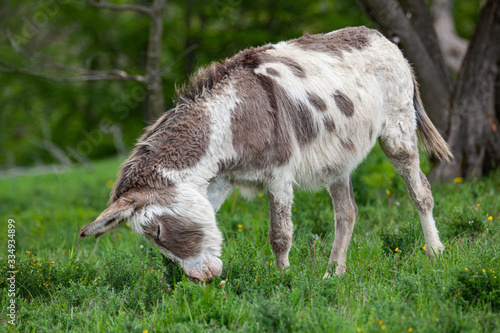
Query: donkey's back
point(317, 105)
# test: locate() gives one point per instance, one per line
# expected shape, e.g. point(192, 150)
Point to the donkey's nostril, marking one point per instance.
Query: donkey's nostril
point(208, 274)
point(214, 264)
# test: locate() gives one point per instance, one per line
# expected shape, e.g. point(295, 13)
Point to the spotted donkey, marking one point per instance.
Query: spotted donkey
point(304, 113)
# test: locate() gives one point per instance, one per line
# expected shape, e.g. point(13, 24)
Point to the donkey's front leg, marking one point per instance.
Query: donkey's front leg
point(281, 228)
point(217, 192)
point(345, 215)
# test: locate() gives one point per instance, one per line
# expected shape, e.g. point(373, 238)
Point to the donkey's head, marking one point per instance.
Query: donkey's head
point(179, 220)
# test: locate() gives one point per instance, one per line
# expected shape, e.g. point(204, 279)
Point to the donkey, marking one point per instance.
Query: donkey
point(303, 112)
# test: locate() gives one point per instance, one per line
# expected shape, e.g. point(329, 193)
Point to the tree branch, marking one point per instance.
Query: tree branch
point(86, 75)
point(179, 57)
point(136, 8)
point(155, 100)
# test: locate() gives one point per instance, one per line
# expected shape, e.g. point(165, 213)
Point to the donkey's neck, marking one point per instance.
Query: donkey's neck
point(186, 144)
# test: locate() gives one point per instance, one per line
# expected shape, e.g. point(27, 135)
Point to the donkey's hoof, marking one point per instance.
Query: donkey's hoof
point(434, 251)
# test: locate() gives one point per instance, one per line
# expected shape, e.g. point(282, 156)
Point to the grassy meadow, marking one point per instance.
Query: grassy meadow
point(113, 284)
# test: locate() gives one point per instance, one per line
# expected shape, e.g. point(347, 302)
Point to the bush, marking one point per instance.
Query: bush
point(405, 240)
point(476, 286)
point(465, 222)
point(42, 277)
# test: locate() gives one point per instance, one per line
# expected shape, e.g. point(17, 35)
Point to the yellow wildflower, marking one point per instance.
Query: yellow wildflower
point(110, 183)
point(458, 180)
point(490, 218)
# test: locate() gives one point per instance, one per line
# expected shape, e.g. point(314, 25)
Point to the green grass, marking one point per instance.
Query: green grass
point(113, 284)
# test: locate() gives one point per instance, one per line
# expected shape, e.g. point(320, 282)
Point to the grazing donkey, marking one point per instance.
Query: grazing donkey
point(303, 112)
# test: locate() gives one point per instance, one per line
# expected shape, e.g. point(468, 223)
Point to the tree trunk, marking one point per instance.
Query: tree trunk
point(155, 98)
point(190, 60)
point(474, 132)
point(453, 47)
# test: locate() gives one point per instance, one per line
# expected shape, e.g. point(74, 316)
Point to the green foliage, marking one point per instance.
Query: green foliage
point(467, 222)
point(77, 35)
point(466, 13)
point(476, 287)
point(42, 277)
point(407, 239)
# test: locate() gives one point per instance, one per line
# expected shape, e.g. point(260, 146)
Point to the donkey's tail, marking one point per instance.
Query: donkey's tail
point(427, 132)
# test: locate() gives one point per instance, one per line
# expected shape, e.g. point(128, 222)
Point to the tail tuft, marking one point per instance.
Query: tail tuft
point(427, 132)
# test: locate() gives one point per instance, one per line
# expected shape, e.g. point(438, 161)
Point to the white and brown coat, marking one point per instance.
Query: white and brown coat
point(304, 113)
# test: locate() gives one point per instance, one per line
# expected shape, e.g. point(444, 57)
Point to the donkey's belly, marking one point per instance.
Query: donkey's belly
point(330, 158)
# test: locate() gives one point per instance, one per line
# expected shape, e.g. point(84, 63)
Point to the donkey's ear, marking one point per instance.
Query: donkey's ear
point(119, 210)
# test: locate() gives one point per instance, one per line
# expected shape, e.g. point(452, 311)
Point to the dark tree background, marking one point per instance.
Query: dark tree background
point(465, 109)
point(81, 78)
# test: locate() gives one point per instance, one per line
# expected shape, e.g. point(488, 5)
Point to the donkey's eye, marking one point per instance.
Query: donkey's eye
point(158, 232)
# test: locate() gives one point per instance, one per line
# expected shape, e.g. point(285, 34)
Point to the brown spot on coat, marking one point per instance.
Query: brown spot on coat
point(329, 124)
point(261, 135)
point(347, 144)
point(344, 103)
point(294, 66)
point(226, 164)
point(263, 128)
point(181, 237)
point(335, 43)
point(303, 123)
point(316, 101)
point(272, 72)
point(294, 115)
point(424, 180)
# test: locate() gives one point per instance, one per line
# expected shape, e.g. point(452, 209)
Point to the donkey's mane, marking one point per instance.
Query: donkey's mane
point(206, 78)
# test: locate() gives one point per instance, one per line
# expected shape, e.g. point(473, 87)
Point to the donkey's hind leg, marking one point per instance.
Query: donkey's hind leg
point(345, 216)
point(403, 155)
